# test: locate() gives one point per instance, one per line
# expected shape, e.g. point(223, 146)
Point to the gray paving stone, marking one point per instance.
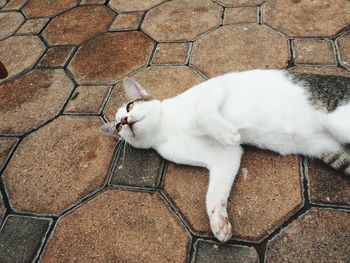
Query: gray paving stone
point(209, 252)
point(136, 167)
point(21, 237)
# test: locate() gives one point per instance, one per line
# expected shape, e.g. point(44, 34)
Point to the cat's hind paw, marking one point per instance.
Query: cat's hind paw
point(220, 224)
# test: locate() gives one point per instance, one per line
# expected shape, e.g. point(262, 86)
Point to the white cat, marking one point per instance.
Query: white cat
point(205, 125)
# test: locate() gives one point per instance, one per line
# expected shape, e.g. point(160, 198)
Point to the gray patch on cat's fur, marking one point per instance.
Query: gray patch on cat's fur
point(327, 92)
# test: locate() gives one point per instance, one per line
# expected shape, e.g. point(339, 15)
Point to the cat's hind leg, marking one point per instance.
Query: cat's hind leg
point(338, 123)
point(222, 173)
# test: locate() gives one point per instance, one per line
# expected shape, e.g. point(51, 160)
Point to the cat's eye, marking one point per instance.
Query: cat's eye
point(118, 127)
point(129, 106)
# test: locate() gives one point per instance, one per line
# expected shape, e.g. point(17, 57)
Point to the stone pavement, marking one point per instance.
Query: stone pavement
point(69, 194)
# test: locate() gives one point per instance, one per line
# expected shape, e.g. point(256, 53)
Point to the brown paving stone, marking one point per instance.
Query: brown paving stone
point(327, 186)
point(21, 238)
point(133, 5)
point(161, 82)
point(137, 167)
point(127, 21)
point(344, 47)
point(15, 57)
point(92, 2)
point(2, 3)
point(40, 8)
point(10, 22)
point(209, 252)
point(239, 48)
point(78, 25)
point(171, 53)
point(181, 20)
point(58, 164)
point(311, 51)
point(321, 235)
point(259, 202)
point(299, 18)
point(119, 226)
point(87, 99)
point(14, 5)
point(6, 146)
point(239, 15)
point(110, 57)
point(230, 3)
point(321, 70)
point(2, 209)
point(31, 99)
point(56, 57)
point(33, 26)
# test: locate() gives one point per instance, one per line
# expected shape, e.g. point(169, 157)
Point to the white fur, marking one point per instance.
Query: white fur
point(205, 126)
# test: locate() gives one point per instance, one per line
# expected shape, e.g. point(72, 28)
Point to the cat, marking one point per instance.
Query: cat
point(205, 126)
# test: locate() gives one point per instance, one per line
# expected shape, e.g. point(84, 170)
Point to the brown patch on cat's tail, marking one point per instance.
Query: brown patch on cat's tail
point(340, 161)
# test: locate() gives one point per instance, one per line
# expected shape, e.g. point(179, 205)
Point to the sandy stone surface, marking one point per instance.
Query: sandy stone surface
point(10, 22)
point(230, 3)
point(87, 99)
point(171, 53)
point(262, 198)
point(119, 226)
point(15, 57)
point(31, 99)
point(320, 235)
point(127, 21)
point(38, 181)
point(118, 54)
point(33, 26)
point(6, 146)
point(121, 6)
point(181, 20)
point(56, 57)
point(344, 46)
point(78, 25)
point(314, 52)
point(240, 15)
point(298, 18)
point(14, 5)
point(40, 8)
point(239, 48)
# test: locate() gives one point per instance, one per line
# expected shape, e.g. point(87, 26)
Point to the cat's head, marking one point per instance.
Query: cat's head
point(136, 121)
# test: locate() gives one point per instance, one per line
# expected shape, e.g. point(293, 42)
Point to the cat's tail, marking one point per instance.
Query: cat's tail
point(340, 161)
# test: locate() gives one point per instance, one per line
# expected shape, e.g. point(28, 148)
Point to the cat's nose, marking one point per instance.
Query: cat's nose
point(124, 120)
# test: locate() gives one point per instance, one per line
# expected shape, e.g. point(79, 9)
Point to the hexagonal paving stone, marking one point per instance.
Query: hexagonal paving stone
point(240, 15)
point(58, 164)
point(40, 8)
point(137, 167)
point(15, 57)
point(87, 99)
point(209, 252)
point(321, 235)
point(133, 5)
point(181, 20)
point(344, 47)
point(230, 3)
point(14, 5)
point(266, 194)
point(2, 209)
point(6, 146)
point(110, 57)
point(161, 82)
point(119, 226)
point(21, 238)
point(320, 70)
point(327, 186)
point(129, 21)
point(10, 22)
point(78, 25)
point(307, 18)
point(31, 99)
point(238, 48)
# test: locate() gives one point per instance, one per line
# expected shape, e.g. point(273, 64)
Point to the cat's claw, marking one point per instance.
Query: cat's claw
point(220, 224)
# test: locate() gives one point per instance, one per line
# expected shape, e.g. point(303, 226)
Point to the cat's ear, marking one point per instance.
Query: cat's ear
point(109, 129)
point(133, 89)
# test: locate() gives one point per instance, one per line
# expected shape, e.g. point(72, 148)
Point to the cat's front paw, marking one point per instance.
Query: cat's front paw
point(220, 224)
point(229, 136)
